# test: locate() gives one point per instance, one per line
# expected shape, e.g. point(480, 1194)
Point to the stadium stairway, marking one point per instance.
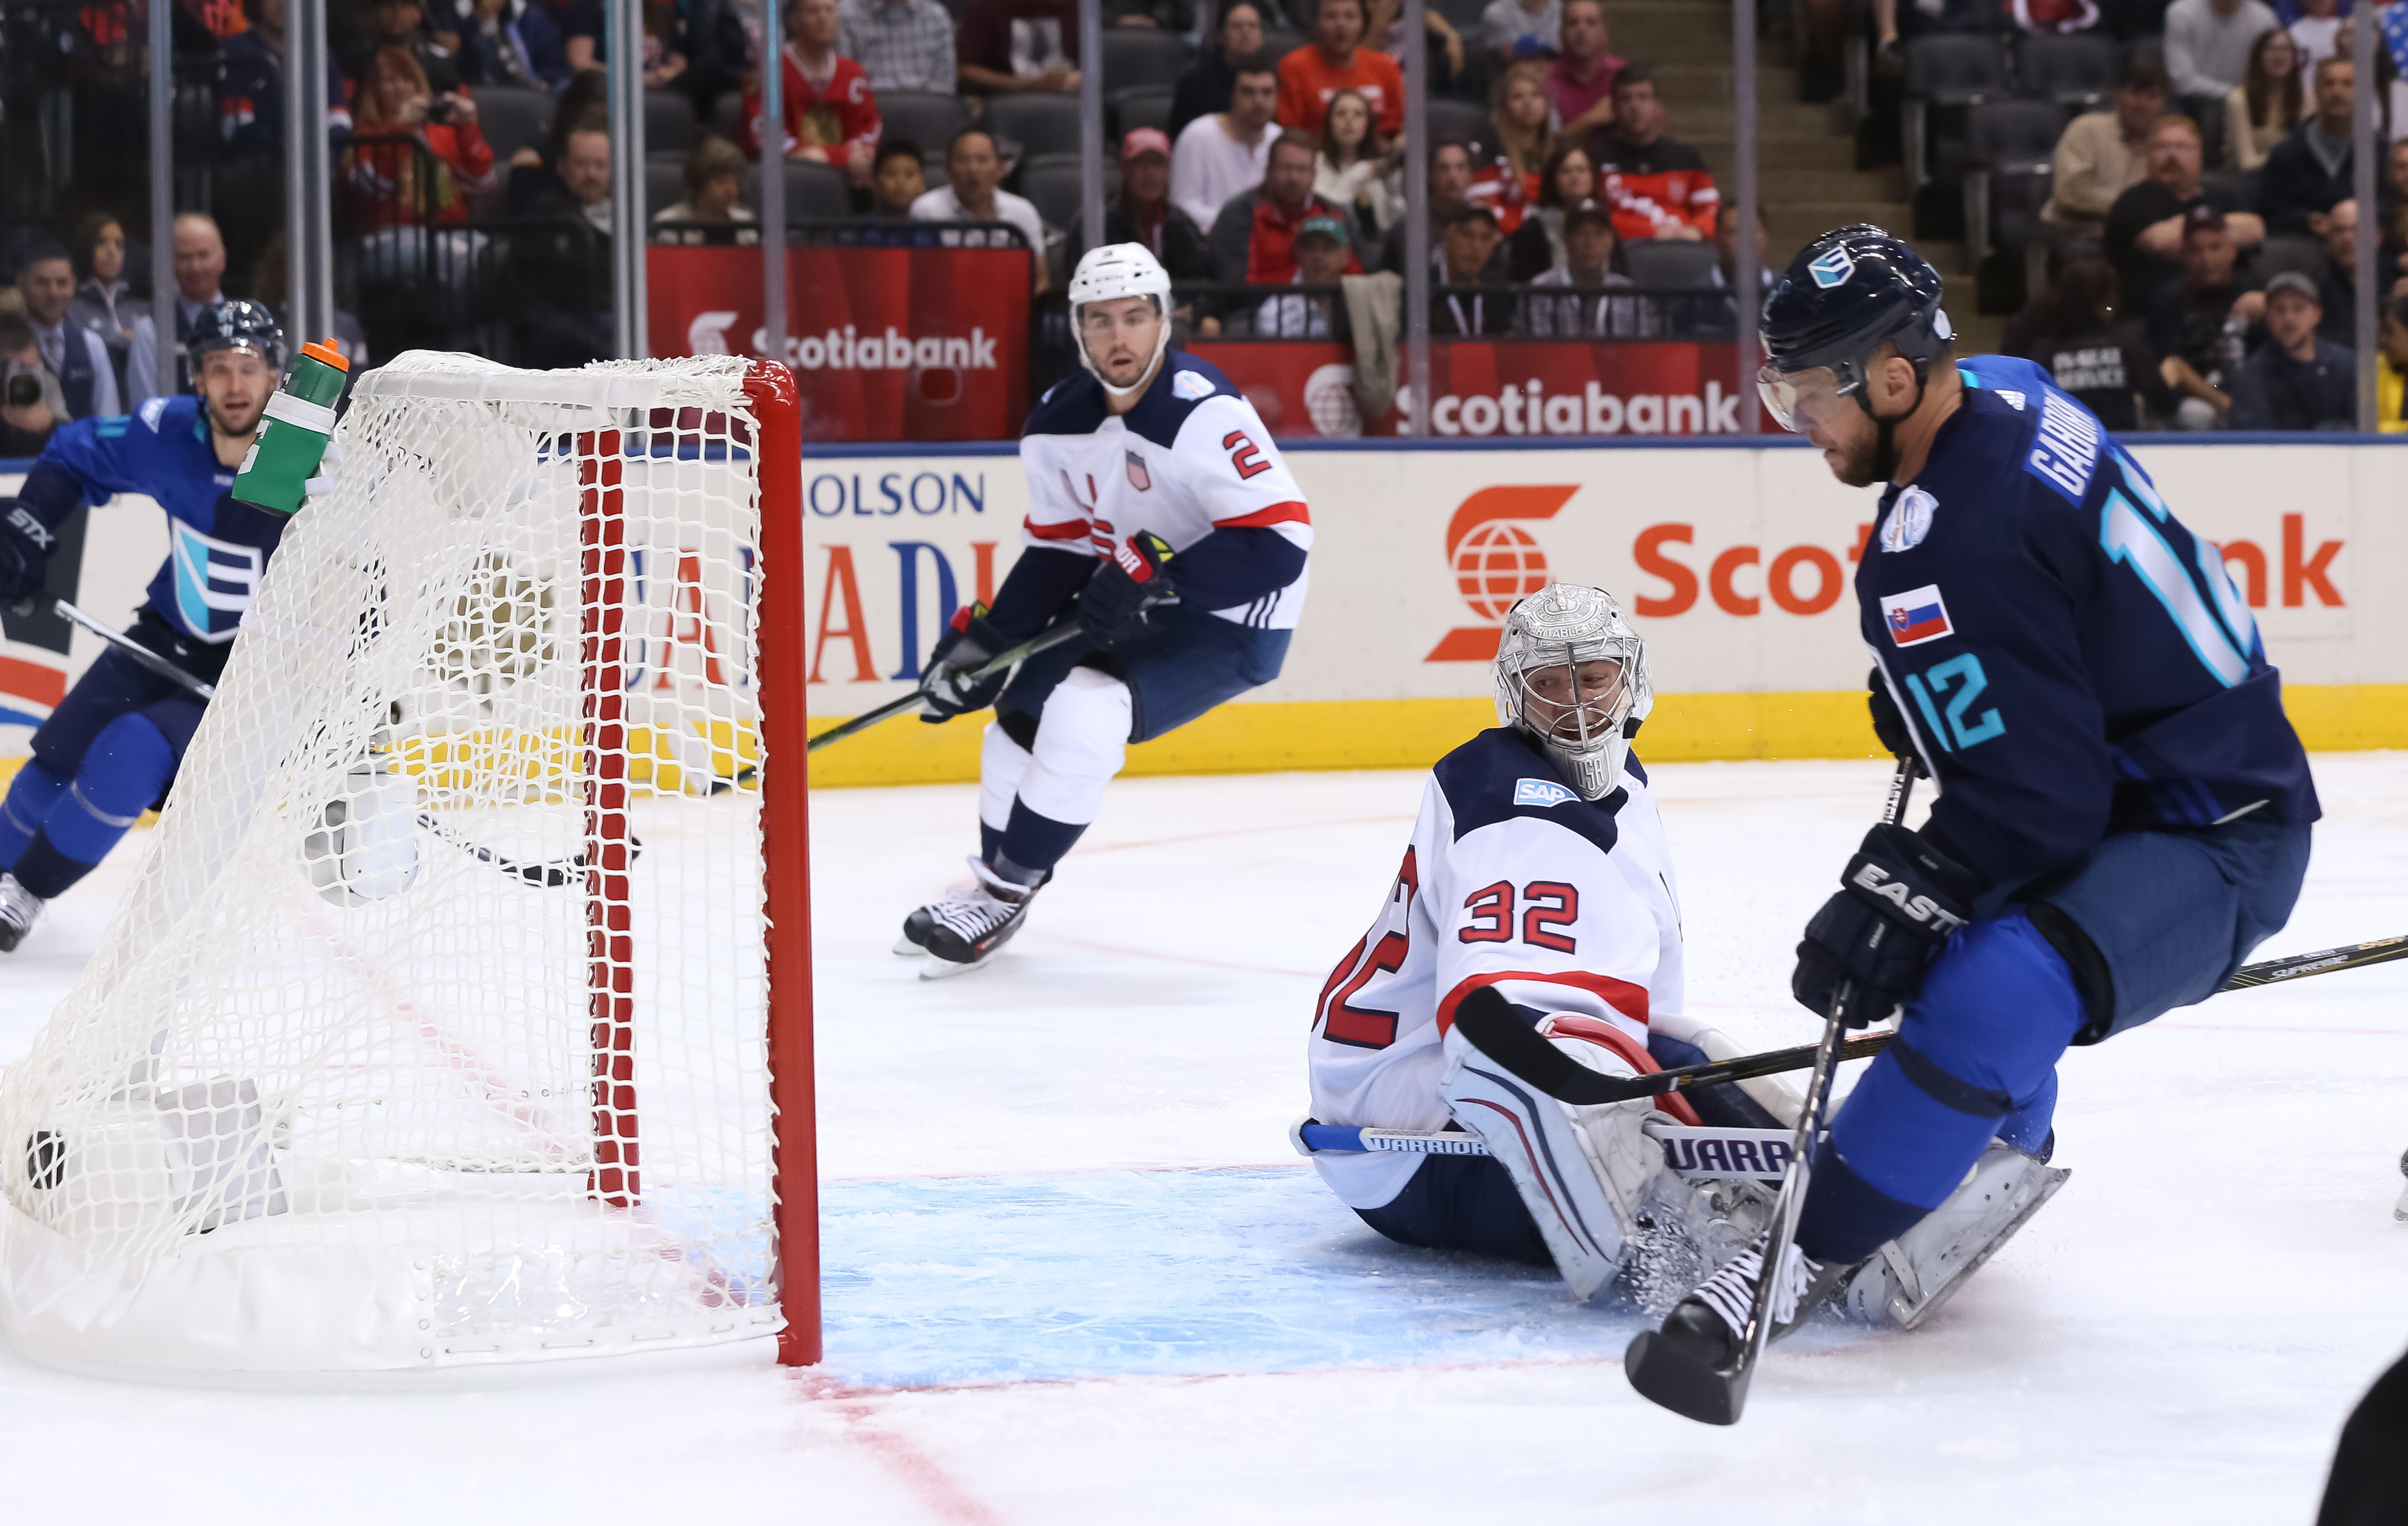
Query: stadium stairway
point(1805, 153)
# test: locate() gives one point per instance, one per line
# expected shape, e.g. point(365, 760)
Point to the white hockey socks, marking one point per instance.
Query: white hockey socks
point(1002, 764)
point(1581, 1172)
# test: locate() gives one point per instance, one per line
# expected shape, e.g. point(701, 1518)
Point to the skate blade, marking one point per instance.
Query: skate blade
point(2050, 1181)
point(906, 948)
point(1670, 1377)
point(933, 968)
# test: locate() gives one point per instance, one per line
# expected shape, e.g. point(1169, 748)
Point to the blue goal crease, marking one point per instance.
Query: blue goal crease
point(1084, 1275)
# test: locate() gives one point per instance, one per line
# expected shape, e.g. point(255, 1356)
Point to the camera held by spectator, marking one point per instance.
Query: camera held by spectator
point(31, 404)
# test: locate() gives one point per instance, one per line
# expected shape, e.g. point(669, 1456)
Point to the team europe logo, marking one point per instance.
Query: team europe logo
point(1832, 269)
point(1497, 563)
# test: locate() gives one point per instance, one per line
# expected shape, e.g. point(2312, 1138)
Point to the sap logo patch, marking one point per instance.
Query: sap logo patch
point(1542, 793)
point(1832, 269)
point(1916, 615)
point(150, 411)
point(1194, 386)
point(1909, 520)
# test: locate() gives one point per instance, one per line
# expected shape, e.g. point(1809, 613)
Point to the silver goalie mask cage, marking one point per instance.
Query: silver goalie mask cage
point(1547, 686)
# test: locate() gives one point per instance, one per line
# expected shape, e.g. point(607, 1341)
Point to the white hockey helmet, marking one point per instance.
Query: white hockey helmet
point(1107, 273)
point(1568, 625)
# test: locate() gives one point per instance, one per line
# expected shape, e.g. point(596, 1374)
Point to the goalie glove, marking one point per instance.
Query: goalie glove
point(1112, 607)
point(968, 643)
point(1899, 901)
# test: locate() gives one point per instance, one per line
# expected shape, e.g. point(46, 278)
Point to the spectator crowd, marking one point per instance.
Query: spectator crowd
point(2197, 222)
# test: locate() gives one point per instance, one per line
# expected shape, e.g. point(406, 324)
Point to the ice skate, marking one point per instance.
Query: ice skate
point(917, 926)
point(964, 933)
point(1686, 1365)
point(18, 908)
point(1916, 1272)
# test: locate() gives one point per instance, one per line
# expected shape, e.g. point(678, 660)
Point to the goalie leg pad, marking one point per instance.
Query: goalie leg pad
point(1584, 1173)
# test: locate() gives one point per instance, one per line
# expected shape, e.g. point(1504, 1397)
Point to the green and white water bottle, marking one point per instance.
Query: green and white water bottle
point(293, 436)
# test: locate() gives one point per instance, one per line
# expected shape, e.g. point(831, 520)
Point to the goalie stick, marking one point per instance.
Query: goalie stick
point(549, 874)
point(1497, 1032)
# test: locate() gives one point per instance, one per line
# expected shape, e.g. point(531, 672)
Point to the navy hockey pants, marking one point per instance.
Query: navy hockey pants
point(1191, 661)
point(106, 754)
point(2172, 913)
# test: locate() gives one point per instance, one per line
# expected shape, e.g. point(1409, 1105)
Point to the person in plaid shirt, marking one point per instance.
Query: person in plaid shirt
point(902, 44)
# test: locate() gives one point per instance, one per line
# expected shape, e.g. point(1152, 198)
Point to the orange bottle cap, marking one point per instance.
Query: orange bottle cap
point(324, 351)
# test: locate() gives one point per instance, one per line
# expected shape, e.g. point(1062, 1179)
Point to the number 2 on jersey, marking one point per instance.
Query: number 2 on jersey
point(1363, 1027)
point(1244, 454)
point(1547, 904)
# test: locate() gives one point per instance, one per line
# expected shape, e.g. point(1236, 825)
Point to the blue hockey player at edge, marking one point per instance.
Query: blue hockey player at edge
point(2124, 809)
point(113, 745)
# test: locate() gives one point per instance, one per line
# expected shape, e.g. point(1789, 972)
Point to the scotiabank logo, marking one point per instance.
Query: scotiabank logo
point(1497, 563)
point(846, 348)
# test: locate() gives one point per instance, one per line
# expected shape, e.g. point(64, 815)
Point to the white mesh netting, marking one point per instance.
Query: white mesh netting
point(431, 1030)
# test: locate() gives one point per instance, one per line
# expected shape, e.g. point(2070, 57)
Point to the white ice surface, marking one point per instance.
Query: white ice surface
point(1074, 1274)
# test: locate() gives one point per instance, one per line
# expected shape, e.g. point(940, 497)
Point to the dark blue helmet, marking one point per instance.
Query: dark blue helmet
point(1846, 293)
point(237, 325)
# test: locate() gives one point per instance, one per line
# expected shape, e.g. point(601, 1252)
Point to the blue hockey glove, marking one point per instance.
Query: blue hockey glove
point(1888, 725)
point(1112, 607)
point(1899, 901)
point(24, 552)
point(968, 643)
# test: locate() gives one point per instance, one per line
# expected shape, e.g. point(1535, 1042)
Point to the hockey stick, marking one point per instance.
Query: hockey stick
point(1044, 640)
point(134, 649)
point(549, 876)
point(1661, 1371)
point(1505, 1038)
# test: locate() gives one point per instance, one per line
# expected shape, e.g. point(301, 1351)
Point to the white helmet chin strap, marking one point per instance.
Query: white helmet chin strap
point(1145, 377)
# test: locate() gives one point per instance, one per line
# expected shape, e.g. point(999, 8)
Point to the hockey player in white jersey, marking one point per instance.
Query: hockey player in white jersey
point(1538, 867)
point(1162, 519)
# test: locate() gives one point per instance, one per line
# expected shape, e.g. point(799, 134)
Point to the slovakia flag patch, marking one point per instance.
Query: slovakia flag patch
point(1916, 615)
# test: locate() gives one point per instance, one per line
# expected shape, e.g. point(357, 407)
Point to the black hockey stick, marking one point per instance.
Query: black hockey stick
point(1661, 1370)
point(1043, 642)
point(1496, 1031)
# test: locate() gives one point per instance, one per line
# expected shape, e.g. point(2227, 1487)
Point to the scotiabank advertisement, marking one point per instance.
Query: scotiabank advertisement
point(1483, 388)
point(886, 344)
point(1737, 564)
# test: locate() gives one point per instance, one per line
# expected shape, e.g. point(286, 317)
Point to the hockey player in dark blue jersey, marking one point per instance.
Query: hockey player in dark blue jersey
point(112, 748)
point(2124, 809)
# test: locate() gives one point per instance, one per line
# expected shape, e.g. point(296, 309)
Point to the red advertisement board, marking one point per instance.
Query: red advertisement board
point(1500, 387)
point(918, 344)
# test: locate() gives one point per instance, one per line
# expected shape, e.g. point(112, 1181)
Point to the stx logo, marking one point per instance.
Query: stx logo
point(1872, 877)
point(30, 527)
point(1497, 563)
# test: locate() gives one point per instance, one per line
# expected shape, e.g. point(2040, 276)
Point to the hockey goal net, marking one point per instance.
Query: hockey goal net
point(458, 1012)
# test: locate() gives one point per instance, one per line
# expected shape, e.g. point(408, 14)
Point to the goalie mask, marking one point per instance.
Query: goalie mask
point(1108, 274)
point(1572, 674)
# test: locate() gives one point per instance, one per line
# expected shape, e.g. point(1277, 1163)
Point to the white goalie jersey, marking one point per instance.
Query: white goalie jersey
point(1511, 881)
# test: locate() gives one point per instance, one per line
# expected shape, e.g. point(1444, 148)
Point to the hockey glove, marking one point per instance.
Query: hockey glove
point(1899, 901)
point(1888, 725)
point(24, 553)
point(968, 643)
point(1112, 607)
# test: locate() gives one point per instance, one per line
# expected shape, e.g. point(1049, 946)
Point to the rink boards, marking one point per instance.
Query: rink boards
point(1735, 561)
